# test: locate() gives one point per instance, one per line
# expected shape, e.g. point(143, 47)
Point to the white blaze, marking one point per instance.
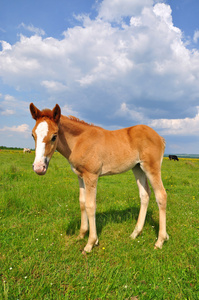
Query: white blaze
point(41, 132)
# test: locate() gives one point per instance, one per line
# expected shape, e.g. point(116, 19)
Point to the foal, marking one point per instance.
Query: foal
point(92, 152)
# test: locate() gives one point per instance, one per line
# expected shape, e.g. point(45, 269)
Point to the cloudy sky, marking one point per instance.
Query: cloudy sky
point(114, 63)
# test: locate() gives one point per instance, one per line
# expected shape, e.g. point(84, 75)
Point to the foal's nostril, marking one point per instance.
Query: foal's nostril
point(45, 161)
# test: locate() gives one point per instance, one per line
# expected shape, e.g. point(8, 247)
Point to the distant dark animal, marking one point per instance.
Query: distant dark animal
point(174, 157)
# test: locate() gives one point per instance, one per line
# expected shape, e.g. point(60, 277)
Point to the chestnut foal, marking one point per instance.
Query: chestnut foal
point(92, 152)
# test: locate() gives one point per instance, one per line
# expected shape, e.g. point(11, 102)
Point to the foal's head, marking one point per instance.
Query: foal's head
point(45, 134)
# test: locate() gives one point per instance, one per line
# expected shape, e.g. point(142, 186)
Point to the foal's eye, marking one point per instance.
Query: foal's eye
point(53, 138)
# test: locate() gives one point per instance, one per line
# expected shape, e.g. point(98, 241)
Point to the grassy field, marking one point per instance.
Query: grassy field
point(40, 257)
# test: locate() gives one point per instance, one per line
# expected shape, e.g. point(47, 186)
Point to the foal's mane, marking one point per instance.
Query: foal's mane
point(77, 120)
point(47, 113)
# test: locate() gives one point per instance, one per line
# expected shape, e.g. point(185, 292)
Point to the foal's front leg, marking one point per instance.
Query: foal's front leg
point(90, 182)
point(82, 201)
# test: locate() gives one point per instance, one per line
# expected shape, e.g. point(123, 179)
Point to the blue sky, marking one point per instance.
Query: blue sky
point(115, 63)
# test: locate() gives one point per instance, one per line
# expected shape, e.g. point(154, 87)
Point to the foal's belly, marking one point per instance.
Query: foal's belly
point(119, 162)
point(112, 170)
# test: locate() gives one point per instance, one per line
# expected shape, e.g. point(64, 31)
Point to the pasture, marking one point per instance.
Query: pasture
point(40, 257)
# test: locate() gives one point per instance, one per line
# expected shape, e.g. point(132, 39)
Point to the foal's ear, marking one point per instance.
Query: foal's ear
point(56, 113)
point(35, 112)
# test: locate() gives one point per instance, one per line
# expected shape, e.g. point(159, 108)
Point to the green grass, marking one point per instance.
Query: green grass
point(40, 257)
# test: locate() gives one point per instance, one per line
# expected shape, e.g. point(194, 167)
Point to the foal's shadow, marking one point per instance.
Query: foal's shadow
point(114, 216)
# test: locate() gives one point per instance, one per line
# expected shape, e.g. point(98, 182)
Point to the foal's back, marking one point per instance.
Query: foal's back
point(127, 147)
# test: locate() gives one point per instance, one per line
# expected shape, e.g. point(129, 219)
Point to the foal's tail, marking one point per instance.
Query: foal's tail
point(163, 146)
point(163, 143)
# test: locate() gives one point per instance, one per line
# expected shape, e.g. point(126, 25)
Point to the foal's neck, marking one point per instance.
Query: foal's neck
point(69, 130)
point(71, 126)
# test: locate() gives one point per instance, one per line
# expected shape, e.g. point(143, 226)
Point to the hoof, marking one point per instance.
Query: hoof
point(80, 237)
point(159, 243)
point(157, 247)
point(84, 253)
point(133, 236)
point(135, 233)
point(96, 243)
point(88, 248)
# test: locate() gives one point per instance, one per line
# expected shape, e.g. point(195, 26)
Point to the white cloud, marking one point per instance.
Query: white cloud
point(10, 105)
point(9, 98)
point(24, 128)
point(68, 111)
point(33, 29)
point(147, 50)
point(5, 46)
point(135, 21)
point(196, 36)
point(53, 86)
point(114, 10)
point(187, 126)
point(8, 112)
point(164, 13)
point(132, 114)
point(16, 136)
point(97, 52)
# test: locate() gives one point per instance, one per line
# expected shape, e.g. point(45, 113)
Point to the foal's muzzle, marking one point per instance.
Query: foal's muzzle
point(40, 167)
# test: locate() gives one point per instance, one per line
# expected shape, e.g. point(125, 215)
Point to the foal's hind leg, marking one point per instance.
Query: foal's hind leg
point(153, 171)
point(144, 192)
